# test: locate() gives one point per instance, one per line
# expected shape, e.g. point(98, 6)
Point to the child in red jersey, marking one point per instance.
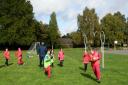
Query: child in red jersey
point(86, 59)
point(61, 57)
point(7, 56)
point(95, 63)
point(19, 56)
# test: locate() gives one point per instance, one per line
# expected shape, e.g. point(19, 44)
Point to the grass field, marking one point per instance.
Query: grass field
point(115, 72)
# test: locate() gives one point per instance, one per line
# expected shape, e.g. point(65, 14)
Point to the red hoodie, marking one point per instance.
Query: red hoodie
point(7, 55)
point(86, 58)
point(61, 55)
point(95, 57)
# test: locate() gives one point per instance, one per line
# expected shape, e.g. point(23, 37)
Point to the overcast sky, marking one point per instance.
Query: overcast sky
point(67, 10)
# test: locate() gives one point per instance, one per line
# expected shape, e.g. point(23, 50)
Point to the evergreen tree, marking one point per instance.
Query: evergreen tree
point(17, 22)
point(53, 29)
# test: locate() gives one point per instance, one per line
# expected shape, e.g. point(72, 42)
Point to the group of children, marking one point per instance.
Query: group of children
point(49, 60)
point(91, 56)
point(94, 57)
point(18, 55)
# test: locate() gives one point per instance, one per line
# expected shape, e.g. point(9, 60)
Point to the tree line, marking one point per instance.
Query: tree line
point(18, 27)
point(114, 26)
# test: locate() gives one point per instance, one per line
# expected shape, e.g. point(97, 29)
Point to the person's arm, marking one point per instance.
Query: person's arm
point(97, 57)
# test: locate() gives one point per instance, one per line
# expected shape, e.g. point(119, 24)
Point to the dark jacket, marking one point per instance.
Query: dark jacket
point(42, 51)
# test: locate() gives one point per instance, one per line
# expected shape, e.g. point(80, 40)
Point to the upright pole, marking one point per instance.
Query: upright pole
point(102, 46)
point(85, 41)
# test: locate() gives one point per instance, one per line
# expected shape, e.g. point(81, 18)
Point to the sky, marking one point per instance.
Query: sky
point(67, 10)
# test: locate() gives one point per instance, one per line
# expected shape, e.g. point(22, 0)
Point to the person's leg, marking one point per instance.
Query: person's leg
point(61, 63)
point(94, 69)
point(49, 72)
point(43, 62)
point(40, 64)
point(45, 71)
point(21, 61)
point(98, 72)
point(7, 62)
point(85, 67)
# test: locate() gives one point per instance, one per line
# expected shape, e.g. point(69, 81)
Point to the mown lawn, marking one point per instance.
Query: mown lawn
point(115, 72)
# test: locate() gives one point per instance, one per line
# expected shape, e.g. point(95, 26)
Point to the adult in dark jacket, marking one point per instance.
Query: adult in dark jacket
point(42, 53)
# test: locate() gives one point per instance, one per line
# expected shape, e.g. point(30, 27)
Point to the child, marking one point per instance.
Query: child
point(61, 57)
point(95, 63)
point(7, 56)
point(86, 59)
point(19, 56)
point(52, 57)
point(47, 63)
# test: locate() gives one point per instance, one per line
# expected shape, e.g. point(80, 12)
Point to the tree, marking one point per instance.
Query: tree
point(114, 26)
point(53, 29)
point(17, 22)
point(41, 32)
point(126, 32)
point(88, 23)
point(77, 38)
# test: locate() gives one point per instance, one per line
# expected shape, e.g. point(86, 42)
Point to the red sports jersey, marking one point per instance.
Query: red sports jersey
point(86, 58)
point(7, 54)
point(95, 57)
point(61, 55)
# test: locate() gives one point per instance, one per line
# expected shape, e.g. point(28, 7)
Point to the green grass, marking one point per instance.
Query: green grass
point(115, 72)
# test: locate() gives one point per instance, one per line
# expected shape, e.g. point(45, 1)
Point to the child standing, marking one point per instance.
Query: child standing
point(47, 63)
point(61, 57)
point(19, 56)
point(7, 56)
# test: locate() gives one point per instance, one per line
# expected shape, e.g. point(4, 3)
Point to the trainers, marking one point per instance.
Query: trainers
point(98, 81)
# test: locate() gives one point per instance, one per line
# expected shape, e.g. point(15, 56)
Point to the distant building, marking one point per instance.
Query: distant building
point(65, 42)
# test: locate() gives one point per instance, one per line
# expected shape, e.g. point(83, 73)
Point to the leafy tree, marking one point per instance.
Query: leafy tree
point(41, 32)
point(53, 29)
point(88, 24)
point(77, 38)
point(114, 26)
point(17, 22)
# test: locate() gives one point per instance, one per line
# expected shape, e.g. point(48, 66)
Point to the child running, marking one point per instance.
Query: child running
point(61, 57)
point(7, 56)
point(47, 64)
point(95, 63)
point(86, 59)
point(18, 54)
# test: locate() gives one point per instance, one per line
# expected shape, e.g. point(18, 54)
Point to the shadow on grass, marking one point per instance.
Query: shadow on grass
point(82, 69)
point(88, 76)
point(1, 66)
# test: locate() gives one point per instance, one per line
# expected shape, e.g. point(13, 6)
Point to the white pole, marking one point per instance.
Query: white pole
point(85, 41)
point(102, 46)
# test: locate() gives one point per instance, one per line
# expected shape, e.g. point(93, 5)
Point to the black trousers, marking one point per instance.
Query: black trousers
point(6, 62)
point(41, 61)
point(85, 67)
point(61, 63)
